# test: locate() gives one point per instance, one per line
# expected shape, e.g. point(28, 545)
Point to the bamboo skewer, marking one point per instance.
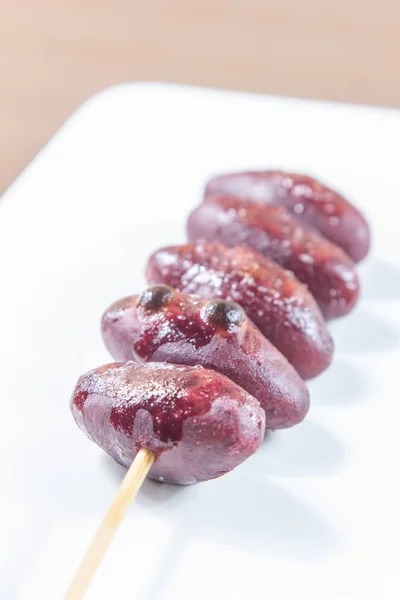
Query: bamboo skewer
point(128, 489)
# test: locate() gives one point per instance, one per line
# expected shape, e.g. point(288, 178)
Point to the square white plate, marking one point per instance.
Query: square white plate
point(315, 514)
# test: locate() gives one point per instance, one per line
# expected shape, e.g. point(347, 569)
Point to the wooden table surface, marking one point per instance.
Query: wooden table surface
point(54, 54)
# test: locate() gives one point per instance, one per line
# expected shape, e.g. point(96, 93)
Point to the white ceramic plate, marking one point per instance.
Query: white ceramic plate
point(315, 514)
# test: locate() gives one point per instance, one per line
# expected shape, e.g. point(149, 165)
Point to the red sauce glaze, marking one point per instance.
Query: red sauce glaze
point(271, 230)
point(197, 422)
point(280, 306)
point(171, 325)
point(80, 399)
point(308, 199)
point(189, 330)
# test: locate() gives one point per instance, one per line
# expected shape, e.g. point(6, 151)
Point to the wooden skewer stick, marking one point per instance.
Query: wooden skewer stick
point(128, 489)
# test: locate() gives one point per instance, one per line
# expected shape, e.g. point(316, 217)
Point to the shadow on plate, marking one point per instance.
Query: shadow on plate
point(380, 280)
point(362, 332)
point(155, 493)
point(243, 507)
point(306, 450)
point(342, 384)
point(245, 511)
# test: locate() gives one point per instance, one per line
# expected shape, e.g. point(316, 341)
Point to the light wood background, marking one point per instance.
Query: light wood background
point(56, 53)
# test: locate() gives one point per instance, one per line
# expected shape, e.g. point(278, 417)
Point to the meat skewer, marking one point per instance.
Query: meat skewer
point(184, 423)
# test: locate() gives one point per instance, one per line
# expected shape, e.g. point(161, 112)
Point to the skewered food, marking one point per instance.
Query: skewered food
point(274, 232)
point(164, 325)
point(279, 305)
point(198, 423)
point(309, 200)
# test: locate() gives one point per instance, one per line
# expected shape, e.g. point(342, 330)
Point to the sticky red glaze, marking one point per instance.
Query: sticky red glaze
point(131, 332)
point(182, 331)
point(308, 199)
point(198, 423)
point(271, 230)
point(278, 304)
